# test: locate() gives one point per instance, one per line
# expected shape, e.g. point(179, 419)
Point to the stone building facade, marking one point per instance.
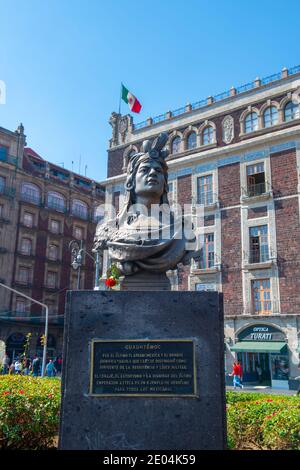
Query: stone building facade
point(42, 208)
point(237, 155)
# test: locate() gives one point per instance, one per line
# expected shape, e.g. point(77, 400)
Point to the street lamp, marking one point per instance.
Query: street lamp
point(46, 321)
point(77, 251)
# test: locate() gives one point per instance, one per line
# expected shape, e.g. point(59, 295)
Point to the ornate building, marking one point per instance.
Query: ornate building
point(42, 208)
point(237, 154)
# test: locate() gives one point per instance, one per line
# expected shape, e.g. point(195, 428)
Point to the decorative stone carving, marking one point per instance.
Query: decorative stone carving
point(228, 129)
point(121, 127)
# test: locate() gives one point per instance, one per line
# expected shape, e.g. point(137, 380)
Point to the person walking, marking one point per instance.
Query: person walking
point(50, 369)
point(35, 366)
point(236, 370)
point(5, 364)
point(18, 367)
point(26, 365)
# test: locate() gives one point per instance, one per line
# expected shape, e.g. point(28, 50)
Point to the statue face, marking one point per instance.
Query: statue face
point(150, 179)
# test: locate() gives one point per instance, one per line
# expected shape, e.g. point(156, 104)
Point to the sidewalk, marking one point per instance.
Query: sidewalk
point(262, 389)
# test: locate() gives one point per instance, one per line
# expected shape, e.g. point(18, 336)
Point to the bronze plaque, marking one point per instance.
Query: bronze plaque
point(161, 367)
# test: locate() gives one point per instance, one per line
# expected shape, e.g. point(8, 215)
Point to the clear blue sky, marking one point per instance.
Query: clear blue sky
point(63, 61)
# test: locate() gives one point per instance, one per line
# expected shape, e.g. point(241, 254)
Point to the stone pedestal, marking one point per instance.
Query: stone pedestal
point(144, 281)
point(143, 370)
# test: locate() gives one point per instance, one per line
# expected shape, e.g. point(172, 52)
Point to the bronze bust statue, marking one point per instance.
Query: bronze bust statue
point(146, 234)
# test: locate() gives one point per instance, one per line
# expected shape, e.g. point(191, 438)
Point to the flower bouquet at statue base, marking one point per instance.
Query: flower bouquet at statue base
point(112, 277)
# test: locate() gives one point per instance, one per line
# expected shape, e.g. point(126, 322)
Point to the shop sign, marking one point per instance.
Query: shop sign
point(261, 333)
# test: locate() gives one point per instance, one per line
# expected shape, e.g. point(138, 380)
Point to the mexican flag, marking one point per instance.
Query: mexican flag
point(133, 103)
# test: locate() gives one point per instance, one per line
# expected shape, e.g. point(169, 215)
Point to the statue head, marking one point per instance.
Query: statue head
point(147, 172)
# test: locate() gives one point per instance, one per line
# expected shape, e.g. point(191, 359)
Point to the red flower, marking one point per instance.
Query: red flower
point(110, 282)
point(269, 417)
point(269, 401)
point(257, 402)
point(6, 393)
point(22, 392)
point(50, 395)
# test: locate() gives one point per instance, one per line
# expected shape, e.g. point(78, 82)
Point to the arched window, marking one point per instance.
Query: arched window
point(251, 122)
point(176, 144)
point(270, 116)
point(31, 193)
point(53, 252)
point(99, 214)
point(192, 141)
point(291, 111)
point(56, 201)
point(26, 246)
point(80, 209)
point(208, 135)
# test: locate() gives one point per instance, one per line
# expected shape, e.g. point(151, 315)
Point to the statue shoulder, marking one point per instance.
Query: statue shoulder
point(104, 232)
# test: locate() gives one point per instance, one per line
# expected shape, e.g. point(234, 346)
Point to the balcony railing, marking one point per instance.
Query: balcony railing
point(207, 198)
point(32, 198)
point(79, 212)
point(213, 263)
point(56, 206)
point(7, 191)
point(257, 189)
point(262, 307)
point(5, 157)
point(262, 254)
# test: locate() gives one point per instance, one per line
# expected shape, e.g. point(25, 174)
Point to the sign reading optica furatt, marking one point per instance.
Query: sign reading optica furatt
point(143, 368)
point(261, 333)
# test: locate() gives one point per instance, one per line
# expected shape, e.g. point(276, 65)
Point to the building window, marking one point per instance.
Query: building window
point(192, 141)
point(270, 116)
point(99, 214)
point(79, 209)
point(207, 259)
point(20, 305)
point(56, 201)
point(259, 248)
point(28, 219)
point(78, 233)
point(291, 111)
point(24, 275)
point(54, 226)
point(2, 184)
point(205, 190)
point(261, 295)
point(208, 136)
point(52, 279)
point(256, 183)
point(53, 252)
point(26, 246)
point(31, 193)
point(176, 144)
point(251, 122)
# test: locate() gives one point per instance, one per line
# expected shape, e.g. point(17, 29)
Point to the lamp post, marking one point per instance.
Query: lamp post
point(77, 251)
point(46, 321)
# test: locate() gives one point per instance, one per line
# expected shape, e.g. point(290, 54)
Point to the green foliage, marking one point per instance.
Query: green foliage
point(263, 421)
point(29, 416)
point(29, 412)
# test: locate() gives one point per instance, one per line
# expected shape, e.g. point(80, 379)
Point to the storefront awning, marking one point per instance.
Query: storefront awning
point(261, 346)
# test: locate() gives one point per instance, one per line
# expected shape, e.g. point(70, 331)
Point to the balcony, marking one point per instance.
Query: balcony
point(208, 199)
point(257, 191)
point(80, 213)
point(262, 307)
point(31, 198)
point(212, 266)
point(7, 191)
point(5, 157)
point(56, 206)
point(259, 258)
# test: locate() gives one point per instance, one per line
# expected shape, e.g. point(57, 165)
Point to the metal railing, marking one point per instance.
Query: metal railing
point(7, 191)
point(261, 254)
point(33, 198)
point(207, 198)
point(79, 212)
point(261, 307)
point(56, 206)
point(219, 97)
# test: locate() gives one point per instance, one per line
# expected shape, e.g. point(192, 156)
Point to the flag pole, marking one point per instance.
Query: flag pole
point(120, 98)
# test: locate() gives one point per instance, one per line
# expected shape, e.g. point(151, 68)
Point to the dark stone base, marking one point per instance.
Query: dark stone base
point(135, 422)
point(145, 281)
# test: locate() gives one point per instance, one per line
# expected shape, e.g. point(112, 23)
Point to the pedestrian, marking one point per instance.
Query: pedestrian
point(50, 369)
point(35, 366)
point(18, 367)
point(240, 371)
point(236, 370)
point(11, 369)
point(298, 378)
point(5, 363)
point(58, 364)
point(259, 372)
point(26, 365)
